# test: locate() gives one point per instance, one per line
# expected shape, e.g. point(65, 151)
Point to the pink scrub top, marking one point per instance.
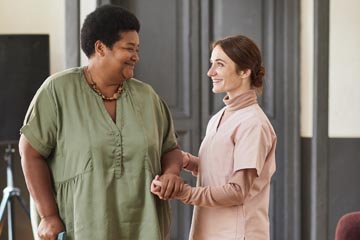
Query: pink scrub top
point(245, 140)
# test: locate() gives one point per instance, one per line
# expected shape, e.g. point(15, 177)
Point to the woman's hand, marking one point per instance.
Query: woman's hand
point(50, 227)
point(190, 163)
point(155, 186)
point(167, 186)
point(171, 185)
point(185, 159)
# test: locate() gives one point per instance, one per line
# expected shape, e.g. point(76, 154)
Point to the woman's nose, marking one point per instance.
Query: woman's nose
point(135, 57)
point(211, 72)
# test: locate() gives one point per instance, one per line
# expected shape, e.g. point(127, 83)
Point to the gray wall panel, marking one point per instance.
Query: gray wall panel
point(169, 61)
point(166, 63)
point(72, 33)
point(232, 17)
point(305, 186)
point(159, 59)
point(344, 179)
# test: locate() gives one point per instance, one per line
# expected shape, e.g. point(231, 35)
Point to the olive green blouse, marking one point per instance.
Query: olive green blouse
point(102, 170)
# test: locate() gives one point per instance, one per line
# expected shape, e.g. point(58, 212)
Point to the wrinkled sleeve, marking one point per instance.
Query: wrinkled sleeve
point(40, 126)
point(231, 194)
point(252, 144)
point(169, 141)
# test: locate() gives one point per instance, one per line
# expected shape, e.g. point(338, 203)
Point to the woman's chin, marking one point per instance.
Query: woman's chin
point(216, 90)
point(128, 75)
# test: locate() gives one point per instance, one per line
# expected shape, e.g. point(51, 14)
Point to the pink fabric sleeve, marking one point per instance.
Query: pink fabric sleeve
point(231, 194)
point(252, 145)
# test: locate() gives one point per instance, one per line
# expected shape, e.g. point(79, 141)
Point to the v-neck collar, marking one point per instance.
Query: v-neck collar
point(115, 126)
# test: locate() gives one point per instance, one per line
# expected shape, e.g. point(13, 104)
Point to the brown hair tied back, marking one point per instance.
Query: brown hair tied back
point(246, 55)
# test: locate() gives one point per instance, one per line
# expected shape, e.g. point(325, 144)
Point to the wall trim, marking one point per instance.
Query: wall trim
point(292, 169)
point(72, 33)
point(319, 188)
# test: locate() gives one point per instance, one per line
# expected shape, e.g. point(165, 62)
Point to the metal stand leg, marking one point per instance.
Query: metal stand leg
point(10, 193)
point(4, 203)
point(10, 219)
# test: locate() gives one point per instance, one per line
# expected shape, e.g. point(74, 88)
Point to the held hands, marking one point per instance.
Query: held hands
point(49, 227)
point(167, 186)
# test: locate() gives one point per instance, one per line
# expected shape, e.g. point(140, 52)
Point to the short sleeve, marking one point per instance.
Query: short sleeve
point(40, 121)
point(169, 135)
point(252, 145)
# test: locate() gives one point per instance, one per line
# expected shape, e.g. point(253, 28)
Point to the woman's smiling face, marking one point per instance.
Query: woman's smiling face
point(123, 55)
point(224, 74)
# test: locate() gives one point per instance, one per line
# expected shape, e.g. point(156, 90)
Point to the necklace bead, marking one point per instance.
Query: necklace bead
point(114, 97)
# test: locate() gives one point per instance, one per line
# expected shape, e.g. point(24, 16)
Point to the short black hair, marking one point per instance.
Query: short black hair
point(106, 24)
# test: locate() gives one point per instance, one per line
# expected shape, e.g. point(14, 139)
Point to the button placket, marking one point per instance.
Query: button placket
point(118, 154)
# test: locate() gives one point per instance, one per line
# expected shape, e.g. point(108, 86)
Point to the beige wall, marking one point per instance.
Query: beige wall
point(344, 64)
point(86, 7)
point(307, 67)
point(344, 67)
point(37, 17)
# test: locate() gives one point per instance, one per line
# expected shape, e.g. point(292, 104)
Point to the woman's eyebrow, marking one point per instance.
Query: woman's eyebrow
point(133, 44)
point(218, 60)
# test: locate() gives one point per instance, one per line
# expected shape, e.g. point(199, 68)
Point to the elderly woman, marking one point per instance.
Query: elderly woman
point(94, 138)
point(237, 156)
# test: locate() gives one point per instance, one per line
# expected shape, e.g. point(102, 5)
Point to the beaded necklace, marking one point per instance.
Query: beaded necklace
point(114, 97)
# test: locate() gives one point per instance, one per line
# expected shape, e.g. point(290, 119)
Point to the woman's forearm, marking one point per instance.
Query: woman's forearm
point(171, 162)
point(218, 196)
point(38, 179)
point(231, 194)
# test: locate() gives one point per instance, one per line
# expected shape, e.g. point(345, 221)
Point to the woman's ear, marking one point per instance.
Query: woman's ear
point(100, 48)
point(245, 73)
